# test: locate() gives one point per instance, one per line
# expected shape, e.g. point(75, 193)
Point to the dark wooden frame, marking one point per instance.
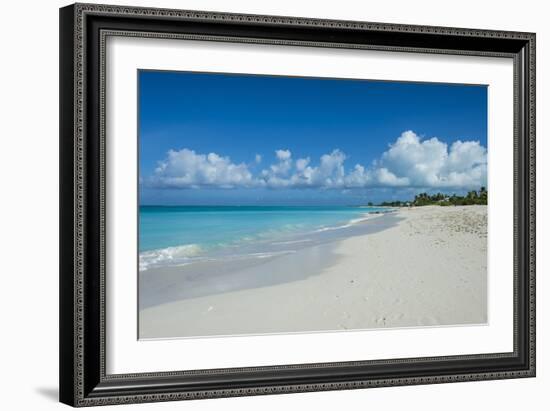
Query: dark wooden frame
point(83, 29)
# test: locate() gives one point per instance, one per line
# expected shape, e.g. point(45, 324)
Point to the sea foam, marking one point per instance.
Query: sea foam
point(177, 254)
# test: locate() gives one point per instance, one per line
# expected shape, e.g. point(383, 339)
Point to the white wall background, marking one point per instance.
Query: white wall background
point(29, 204)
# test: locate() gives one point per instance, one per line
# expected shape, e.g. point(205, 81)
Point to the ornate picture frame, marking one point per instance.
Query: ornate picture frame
point(84, 380)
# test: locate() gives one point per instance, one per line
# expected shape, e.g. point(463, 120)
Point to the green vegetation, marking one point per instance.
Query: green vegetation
point(423, 199)
point(395, 203)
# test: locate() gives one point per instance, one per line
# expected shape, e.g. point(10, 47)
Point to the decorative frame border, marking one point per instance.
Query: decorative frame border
point(83, 381)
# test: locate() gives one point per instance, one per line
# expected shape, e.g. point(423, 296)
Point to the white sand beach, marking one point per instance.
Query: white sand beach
point(425, 266)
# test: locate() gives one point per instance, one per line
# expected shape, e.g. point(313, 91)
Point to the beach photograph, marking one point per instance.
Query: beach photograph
point(280, 204)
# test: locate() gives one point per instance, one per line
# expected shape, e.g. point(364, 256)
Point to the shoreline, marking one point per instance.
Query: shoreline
point(268, 240)
point(254, 270)
point(351, 283)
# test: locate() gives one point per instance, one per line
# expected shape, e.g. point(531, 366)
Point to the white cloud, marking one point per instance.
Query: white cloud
point(429, 163)
point(385, 177)
point(328, 174)
point(302, 163)
point(277, 173)
point(283, 155)
point(419, 161)
point(187, 169)
point(409, 162)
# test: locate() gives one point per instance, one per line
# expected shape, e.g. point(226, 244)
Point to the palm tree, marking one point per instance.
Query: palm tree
point(483, 195)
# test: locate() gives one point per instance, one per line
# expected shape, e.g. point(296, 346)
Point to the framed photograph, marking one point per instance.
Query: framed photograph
point(262, 204)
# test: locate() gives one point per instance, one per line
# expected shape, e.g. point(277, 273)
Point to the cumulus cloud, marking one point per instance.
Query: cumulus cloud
point(302, 163)
point(431, 163)
point(408, 162)
point(282, 167)
point(283, 155)
point(187, 169)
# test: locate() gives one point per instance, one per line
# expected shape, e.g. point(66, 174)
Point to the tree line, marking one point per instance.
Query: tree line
point(423, 199)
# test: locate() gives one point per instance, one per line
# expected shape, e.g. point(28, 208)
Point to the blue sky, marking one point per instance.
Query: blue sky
point(244, 139)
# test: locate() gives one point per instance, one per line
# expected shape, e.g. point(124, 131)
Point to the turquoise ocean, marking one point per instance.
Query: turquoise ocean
point(180, 235)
